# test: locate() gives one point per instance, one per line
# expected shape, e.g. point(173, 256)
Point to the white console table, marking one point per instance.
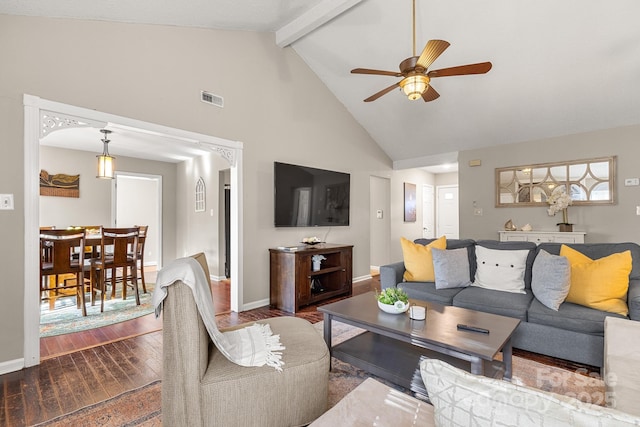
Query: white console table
point(538, 237)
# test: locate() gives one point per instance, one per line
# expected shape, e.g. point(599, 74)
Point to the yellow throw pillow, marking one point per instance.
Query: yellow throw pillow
point(602, 283)
point(418, 261)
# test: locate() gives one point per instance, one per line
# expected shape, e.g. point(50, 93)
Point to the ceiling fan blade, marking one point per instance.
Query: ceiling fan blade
point(430, 94)
point(479, 68)
point(431, 52)
point(377, 72)
point(382, 92)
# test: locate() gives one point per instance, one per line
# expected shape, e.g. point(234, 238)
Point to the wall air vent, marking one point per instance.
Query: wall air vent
point(210, 98)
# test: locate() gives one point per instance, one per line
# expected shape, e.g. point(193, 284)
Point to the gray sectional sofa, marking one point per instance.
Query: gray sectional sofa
point(574, 332)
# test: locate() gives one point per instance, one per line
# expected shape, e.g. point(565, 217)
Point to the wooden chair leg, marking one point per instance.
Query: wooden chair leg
point(93, 282)
point(103, 288)
point(113, 282)
point(52, 292)
point(81, 293)
point(144, 283)
point(134, 278)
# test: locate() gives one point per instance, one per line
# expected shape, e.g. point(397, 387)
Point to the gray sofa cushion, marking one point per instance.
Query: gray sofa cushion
point(426, 291)
point(570, 316)
point(496, 302)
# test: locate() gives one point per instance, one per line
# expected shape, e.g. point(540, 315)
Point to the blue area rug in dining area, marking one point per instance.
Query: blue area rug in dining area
point(66, 318)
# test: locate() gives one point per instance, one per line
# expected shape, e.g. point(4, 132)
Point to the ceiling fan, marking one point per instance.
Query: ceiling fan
point(416, 78)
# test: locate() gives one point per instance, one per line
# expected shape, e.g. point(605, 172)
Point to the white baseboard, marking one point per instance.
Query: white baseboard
point(11, 366)
point(361, 278)
point(255, 304)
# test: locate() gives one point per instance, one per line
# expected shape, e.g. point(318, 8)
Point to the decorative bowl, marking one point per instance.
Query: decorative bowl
point(397, 308)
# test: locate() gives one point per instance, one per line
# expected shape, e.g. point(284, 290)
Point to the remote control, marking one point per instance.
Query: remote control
point(472, 329)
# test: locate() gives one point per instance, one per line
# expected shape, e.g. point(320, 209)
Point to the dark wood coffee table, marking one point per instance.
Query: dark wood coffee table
point(394, 345)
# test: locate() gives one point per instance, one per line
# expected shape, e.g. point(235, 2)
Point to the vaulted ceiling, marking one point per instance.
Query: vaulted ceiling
point(559, 67)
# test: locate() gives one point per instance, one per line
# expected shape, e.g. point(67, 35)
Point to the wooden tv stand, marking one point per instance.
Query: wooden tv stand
point(294, 284)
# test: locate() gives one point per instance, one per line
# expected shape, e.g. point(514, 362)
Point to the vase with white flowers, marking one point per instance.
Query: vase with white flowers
point(560, 201)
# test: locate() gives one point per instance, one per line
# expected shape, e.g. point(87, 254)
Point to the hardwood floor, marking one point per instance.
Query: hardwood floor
point(83, 368)
point(70, 378)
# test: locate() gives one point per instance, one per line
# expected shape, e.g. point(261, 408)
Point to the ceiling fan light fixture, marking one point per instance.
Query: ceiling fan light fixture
point(414, 86)
point(106, 162)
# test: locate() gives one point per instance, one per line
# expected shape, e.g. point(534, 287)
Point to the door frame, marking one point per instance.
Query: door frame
point(35, 109)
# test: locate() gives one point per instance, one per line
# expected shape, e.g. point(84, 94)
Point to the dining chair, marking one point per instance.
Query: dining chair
point(118, 249)
point(142, 238)
point(90, 250)
point(57, 249)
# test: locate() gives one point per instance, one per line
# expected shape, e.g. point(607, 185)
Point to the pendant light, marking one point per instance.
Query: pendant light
point(106, 163)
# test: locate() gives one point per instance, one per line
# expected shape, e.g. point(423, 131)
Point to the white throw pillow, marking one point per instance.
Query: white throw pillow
point(462, 399)
point(500, 270)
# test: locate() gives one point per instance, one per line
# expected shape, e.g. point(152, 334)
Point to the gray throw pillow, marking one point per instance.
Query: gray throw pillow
point(550, 279)
point(451, 268)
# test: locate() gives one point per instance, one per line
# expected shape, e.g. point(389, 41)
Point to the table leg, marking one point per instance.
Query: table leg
point(327, 333)
point(507, 352)
point(477, 366)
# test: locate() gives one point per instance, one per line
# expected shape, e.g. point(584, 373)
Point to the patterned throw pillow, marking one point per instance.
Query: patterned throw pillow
point(462, 399)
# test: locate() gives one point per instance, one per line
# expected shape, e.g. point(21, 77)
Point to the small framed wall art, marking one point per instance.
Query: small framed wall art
point(409, 202)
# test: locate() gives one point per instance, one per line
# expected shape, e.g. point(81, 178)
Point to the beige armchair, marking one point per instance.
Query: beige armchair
point(200, 387)
point(621, 361)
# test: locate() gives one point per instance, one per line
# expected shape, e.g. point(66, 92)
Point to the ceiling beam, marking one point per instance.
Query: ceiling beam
point(312, 19)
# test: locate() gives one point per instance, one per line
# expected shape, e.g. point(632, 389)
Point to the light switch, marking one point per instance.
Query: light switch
point(379, 214)
point(6, 202)
point(631, 182)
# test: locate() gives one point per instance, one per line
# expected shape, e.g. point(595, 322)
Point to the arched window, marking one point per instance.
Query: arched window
point(200, 195)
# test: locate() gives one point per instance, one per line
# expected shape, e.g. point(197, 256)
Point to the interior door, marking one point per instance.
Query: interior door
point(428, 219)
point(138, 202)
point(447, 212)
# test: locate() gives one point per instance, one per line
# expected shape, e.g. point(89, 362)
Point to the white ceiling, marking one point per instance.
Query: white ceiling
point(559, 67)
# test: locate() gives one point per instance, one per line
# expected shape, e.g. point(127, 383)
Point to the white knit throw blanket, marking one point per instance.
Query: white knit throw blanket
point(254, 345)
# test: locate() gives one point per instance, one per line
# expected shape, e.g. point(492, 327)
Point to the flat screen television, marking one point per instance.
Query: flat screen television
point(310, 197)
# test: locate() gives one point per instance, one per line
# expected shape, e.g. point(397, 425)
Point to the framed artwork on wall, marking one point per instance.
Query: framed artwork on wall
point(409, 202)
point(59, 184)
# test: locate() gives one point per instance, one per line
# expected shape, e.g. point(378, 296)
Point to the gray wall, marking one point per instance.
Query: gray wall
point(155, 73)
point(610, 223)
point(200, 231)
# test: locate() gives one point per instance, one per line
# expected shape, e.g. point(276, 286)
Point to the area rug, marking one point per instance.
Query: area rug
point(139, 407)
point(66, 318)
point(579, 384)
point(142, 407)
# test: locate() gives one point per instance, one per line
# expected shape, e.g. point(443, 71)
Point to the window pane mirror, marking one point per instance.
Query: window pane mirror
point(590, 182)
